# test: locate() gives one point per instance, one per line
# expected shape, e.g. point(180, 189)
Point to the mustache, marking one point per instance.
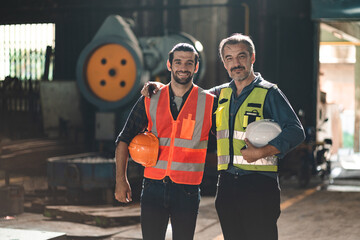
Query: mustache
point(237, 67)
point(183, 72)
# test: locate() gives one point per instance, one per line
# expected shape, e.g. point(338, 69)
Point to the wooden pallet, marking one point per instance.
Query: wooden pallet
point(102, 216)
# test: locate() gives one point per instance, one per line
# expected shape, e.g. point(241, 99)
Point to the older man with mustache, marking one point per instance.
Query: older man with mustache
point(248, 194)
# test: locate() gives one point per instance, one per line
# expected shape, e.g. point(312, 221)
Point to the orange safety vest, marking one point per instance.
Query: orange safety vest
point(182, 142)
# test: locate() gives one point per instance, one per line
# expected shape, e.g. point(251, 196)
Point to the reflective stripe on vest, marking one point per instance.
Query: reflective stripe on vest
point(183, 143)
point(262, 164)
point(250, 110)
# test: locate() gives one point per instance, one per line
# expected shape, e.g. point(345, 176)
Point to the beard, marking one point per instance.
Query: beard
point(183, 81)
point(241, 76)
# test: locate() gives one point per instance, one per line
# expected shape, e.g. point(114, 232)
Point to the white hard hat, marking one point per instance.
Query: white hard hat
point(261, 132)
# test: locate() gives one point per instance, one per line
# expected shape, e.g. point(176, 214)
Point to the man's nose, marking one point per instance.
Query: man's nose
point(236, 61)
point(183, 67)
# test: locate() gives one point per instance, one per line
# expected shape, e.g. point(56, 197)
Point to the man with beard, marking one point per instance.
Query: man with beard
point(180, 116)
point(248, 193)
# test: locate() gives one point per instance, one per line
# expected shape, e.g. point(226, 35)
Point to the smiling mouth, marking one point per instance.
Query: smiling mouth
point(183, 74)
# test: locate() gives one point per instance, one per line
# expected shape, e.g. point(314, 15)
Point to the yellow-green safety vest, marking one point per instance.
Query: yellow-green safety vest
point(250, 110)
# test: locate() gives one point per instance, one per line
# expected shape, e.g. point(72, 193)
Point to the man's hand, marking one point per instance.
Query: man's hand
point(122, 188)
point(123, 191)
point(151, 88)
point(252, 153)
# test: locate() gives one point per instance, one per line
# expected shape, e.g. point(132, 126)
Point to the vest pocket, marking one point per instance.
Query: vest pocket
point(249, 117)
point(187, 128)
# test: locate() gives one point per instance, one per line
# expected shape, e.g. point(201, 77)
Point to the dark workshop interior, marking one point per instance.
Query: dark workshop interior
point(60, 112)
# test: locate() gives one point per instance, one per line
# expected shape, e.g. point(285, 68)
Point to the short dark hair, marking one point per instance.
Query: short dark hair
point(235, 39)
point(184, 47)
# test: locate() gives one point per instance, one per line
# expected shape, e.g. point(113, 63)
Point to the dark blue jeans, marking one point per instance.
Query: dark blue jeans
point(248, 206)
point(161, 200)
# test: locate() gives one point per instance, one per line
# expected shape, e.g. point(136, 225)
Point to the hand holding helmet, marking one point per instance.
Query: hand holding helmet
point(144, 149)
point(258, 135)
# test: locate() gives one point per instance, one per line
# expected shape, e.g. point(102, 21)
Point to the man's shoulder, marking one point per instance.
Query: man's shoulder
point(207, 92)
point(203, 91)
point(224, 85)
point(262, 83)
point(217, 89)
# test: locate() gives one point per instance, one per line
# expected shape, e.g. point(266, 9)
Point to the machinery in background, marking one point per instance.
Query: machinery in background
point(87, 177)
point(310, 158)
point(113, 67)
point(110, 72)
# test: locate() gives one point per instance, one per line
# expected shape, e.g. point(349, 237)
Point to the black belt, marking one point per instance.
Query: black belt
point(164, 180)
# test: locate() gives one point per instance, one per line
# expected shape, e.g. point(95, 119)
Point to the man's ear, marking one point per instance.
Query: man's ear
point(253, 58)
point(168, 65)
point(196, 67)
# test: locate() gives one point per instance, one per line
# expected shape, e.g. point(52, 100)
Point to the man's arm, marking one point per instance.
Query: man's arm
point(135, 123)
point(122, 188)
point(278, 108)
point(252, 153)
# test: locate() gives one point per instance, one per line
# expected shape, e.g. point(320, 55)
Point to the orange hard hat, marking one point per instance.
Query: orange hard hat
point(144, 149)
